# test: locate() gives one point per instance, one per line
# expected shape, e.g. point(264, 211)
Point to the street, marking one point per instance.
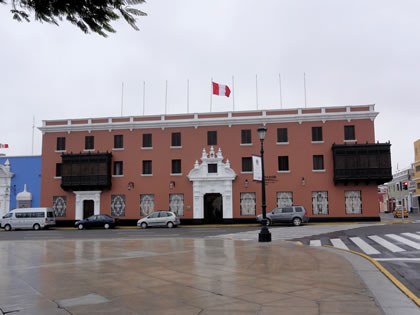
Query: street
point(395, 246)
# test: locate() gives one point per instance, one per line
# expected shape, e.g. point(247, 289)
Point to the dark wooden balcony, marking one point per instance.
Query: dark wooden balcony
point(354, 163)
point(86, 171)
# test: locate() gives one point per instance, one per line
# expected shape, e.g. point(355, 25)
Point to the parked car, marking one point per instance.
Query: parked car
point(398, 212)
point(292, 214)
point(28, 218)
point(159, 218)
point(97, 221)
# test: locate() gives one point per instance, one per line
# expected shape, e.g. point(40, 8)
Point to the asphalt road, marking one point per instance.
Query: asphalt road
point(187, 232)
point(395, 246)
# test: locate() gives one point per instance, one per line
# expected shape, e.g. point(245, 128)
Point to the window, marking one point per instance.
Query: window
point(89, 143)
point(176, 204)
point(211, 137)
point(282, 135)
point(176, 139)
point(287, 210)
point(61, 144)
point(246, 164)
point(284, 199)
point(176, 167)
point(118, 205)
point(118, 142)
point(320, 202)
point(417, 168)
point(147, 140)
point(349, 133)
point(58, 169)
point(318, 162)
point(118, 168)
point(60, 205)
point(246, 136)
point(353, 201)
point(212, 168)
point(147, 167)
point(283, 163)
point(248, 203)
point(147, 204)
point(316, 134)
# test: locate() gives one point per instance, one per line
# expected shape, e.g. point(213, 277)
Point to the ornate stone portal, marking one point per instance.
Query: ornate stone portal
point(87, 195)
point(212, 176)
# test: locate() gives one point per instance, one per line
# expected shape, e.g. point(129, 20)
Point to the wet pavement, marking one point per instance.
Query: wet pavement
point(178, 276)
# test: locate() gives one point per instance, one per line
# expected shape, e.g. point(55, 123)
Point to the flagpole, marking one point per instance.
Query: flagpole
point(304, 86)
point(122, 97)
point(166, 97)
point(233, 92)
point(256, 89)
point(144, 95)
point(281, 100)
point(33, 132)
point(188, 96)
point(211, 94)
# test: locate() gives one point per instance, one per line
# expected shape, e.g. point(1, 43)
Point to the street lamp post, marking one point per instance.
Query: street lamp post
point(265, 235)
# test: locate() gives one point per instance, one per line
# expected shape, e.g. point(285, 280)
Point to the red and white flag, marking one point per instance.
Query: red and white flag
point(3, 146)
point(220, 89)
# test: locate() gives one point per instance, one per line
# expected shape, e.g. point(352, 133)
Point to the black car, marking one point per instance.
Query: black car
point(97, 221)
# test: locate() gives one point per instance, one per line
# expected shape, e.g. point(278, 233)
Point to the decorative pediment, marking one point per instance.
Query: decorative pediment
point(5, 170)
point(211, 167)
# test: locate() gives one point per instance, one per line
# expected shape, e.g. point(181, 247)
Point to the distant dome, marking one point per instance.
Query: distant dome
point(24, 195)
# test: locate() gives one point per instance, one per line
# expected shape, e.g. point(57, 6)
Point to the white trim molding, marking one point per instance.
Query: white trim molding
point(214, 119)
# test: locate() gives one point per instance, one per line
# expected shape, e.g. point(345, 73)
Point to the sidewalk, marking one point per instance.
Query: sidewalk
point(187, 276)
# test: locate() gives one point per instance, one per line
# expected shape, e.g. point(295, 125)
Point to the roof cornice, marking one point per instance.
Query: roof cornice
point(196, 120)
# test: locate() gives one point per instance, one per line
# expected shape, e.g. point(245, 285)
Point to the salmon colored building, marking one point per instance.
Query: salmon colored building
point(200, 165)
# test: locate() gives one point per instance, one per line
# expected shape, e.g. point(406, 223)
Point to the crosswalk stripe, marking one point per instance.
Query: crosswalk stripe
point(338, 243)
point(404, 240)
point(364, 246)
point(315, 243)
point(412, 235)
point(388, 245)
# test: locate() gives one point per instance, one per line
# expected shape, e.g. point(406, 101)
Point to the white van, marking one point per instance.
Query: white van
point(28, 218)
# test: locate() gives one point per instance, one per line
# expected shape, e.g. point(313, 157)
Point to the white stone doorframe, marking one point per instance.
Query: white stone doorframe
point(205, 183)
point(87, 195)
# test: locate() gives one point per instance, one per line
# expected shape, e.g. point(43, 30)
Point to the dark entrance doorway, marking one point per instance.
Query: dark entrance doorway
point(213, 208)
point(88, 208)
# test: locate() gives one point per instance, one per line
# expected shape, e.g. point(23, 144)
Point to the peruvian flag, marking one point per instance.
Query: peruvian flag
point(220, 89)
point(4, 145)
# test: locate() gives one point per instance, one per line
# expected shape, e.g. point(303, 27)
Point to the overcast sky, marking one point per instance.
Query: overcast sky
point(352, 51)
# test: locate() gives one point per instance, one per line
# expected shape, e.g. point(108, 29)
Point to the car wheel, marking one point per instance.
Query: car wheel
point(80, 226)
point(170, 225)
point(36, 227)
point(7, 227)
point(297, 221)
point(268, 222)
point(144, 225)
point(106, 226)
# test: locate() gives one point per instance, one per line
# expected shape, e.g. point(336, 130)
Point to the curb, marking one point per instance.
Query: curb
point(381, 268)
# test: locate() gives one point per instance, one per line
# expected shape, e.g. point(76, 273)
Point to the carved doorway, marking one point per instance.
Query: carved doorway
point(213, 208)
point(88, 208)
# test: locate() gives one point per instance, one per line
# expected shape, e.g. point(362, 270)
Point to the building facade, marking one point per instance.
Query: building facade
point(415, 179)
point(200, 165)
point(20, 182)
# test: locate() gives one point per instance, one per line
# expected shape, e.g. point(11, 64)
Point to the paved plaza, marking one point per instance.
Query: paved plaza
point(178, 276)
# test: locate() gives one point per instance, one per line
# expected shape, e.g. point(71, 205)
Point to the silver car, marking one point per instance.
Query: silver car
point(292, 214)
point(159, 218)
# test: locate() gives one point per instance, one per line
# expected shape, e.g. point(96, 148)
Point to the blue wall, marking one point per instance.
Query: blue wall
point(27, 170)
